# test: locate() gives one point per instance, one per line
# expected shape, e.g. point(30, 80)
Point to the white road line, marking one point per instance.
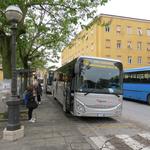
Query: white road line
point(145, 135)
point(101, 142)
point(147, 148)
point(131, 142)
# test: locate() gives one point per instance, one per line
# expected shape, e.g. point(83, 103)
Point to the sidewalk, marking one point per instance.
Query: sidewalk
point(52, 131)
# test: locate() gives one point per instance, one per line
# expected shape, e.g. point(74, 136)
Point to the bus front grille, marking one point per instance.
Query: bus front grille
point(100, 106)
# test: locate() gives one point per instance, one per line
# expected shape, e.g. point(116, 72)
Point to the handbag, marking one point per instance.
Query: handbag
point(32, 104)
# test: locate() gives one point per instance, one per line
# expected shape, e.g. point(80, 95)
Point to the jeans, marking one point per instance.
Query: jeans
point(39, 98)
point(30, 110)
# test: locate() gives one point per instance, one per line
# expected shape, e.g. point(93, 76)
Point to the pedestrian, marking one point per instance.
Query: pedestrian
point(31, 103)
point(35, 84)
point(39, 92)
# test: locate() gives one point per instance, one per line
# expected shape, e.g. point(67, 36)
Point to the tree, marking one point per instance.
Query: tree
point(44, 29)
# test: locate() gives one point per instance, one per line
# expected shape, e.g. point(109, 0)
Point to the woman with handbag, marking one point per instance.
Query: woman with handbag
point(31, 103)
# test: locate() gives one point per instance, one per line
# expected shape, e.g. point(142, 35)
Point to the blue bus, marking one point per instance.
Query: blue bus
point(136, 84)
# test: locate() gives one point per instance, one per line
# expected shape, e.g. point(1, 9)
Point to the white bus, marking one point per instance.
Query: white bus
point(90, 86)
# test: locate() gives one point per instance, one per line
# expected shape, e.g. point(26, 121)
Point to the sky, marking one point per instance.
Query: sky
point(128, 8)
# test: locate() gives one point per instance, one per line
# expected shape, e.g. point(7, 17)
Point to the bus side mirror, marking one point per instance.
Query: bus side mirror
point(77, 68)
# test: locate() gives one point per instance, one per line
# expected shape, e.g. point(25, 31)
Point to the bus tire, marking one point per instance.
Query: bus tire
point(148, 99)
point(46, 91)
point(53, 94)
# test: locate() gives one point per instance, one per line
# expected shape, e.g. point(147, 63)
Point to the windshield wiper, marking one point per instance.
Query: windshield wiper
point(89, 92)
point(102, 93)
point(115, 94)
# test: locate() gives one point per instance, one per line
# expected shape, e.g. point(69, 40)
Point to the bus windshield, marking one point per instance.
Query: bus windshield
point(99, 76)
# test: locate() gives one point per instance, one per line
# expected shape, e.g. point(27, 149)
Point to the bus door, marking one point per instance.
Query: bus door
point(72, 94)
point(69, 96)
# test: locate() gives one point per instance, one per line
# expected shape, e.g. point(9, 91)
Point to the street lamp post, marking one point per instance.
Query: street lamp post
point(29, 71)
point(14, 16)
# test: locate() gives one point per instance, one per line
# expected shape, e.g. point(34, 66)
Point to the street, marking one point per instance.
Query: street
point(136, 111)
point(54, 130)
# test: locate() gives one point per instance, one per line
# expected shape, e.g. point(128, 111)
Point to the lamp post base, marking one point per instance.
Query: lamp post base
point(13, 135)
point(13, 114)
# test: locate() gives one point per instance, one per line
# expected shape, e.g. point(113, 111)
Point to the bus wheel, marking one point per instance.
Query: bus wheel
point(46, 91)
point(148, 99)
point(53, 94)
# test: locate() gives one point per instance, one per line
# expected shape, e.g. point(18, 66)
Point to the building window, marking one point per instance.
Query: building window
point(139, 45)
point(92, 47)
point(107, 56)
point(107, 28)
point(129, 59)
point(129, 45)
point(108, 44)
point(148, 46)
point(148, 32)
point(86, 38)
point(118, 44)
point(119, 57)
point(139, 31)
point(148, 60)
point(139, 61)
point(118, 29)
point(129, 30)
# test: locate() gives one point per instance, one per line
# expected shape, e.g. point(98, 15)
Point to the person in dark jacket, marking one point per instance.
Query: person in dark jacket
point(31, 103)
point(39, 92)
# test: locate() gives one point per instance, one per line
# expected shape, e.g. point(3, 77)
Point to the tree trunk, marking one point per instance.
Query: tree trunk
point(6, 56)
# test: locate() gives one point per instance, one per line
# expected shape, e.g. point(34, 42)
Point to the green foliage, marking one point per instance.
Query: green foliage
point(46, 27)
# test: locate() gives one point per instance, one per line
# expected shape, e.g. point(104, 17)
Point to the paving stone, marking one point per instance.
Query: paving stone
point(80, 146)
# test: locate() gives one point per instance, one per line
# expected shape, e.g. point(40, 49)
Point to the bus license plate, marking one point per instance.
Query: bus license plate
point(100, 115)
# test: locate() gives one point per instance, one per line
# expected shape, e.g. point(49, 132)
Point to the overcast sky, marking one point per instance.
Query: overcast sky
point(128, 8)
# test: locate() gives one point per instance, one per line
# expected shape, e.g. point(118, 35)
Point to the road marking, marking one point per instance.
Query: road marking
point(145, 136)
point(130, 142)
point(116, 125)
point(106, 143)
point(147, 148)
point(102, 142)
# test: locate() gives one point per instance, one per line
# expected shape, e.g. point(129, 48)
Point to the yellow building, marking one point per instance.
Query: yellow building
point(123, 38)
point(1, 73)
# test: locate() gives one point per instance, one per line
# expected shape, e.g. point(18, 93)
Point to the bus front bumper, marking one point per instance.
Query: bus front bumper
point(94, 112)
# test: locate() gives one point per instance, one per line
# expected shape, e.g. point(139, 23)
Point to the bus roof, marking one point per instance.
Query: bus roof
point(99, 58)
point(147, 68)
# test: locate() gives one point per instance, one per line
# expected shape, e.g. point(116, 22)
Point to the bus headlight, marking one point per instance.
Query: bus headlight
point(80, 107)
